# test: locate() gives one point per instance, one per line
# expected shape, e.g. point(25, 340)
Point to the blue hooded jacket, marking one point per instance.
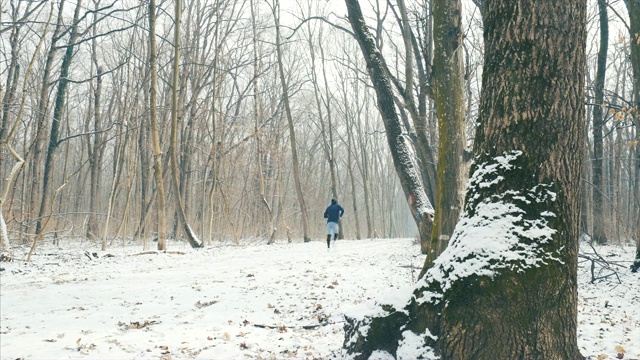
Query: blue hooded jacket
point(334, 212)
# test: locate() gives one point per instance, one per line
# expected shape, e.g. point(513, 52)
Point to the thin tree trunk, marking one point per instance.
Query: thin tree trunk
point(112, 192)
point(599, 234)
point(7, 135)
point(617, 184)
point(292, 134)
point(426, 157)
point(257, 113)
point(350, 156)
point(633, 7)
point(399, 144)
point(363, 166)
point(155, 138)
point(41, 123)
point(13, 74)
point(449, 98)
point(327, 134)
point(328, 151)
point(331, 150)
point(191, 236)
point(61, 98)
point(95, 154)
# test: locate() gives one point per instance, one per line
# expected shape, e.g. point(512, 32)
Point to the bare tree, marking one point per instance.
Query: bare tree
point(54, 140)
point(449, 99)
point(8, 129)
point(155, 138)
point(506, 286)
point(403, 157)
point(292, 134)
point(95, 145)
point(38, 152)
point(191, 236)
point(633, 7)
point(598, 194)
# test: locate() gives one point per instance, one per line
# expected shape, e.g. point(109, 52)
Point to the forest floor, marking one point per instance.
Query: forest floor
point(249, 301)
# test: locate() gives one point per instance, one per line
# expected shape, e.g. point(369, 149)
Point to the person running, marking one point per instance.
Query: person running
point(333, 213)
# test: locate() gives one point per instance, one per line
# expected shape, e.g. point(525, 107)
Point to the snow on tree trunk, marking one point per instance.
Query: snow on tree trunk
point(402, 152)
point(506, 287)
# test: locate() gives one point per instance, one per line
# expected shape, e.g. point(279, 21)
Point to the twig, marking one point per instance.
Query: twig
point(305, 327)
point(158, 252)
point(604, 266)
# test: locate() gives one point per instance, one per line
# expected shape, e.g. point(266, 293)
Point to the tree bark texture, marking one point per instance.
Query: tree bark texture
point(506, 287)
point(418, 109)
point(531, 103)
point(155, 137)
point(60, 101)
point(599, 234)
point(42, 125)
point(633, 7)
point(450, 106)
point(404, 158)
point(182, 216)
point(95, 152)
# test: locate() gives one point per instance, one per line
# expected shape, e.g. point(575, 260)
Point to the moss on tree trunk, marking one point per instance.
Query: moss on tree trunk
point(506, 287)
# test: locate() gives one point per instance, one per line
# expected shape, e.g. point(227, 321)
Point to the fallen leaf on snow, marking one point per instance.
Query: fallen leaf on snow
point(201, 304)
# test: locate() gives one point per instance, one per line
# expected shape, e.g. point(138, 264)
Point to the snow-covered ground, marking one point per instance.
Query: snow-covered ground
point(244, 302)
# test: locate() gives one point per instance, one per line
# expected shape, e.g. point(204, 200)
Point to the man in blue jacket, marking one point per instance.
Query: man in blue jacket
point(333, 214)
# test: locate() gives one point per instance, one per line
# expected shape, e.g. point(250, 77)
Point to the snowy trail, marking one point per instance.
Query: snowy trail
point(203, 304)
point(238, 302)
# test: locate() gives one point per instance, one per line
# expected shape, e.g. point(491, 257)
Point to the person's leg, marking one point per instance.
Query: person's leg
point(332, 230)
point(329, 235)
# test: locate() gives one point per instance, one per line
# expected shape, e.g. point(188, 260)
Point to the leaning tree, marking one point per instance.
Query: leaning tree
point(506, 287)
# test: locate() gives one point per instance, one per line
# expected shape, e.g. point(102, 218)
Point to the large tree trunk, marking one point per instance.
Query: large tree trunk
point(449, 98)
point(599, 235)
point(404, 159)
point(506, 287)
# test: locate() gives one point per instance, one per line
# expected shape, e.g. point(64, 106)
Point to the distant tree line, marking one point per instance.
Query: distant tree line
point(247, 118)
